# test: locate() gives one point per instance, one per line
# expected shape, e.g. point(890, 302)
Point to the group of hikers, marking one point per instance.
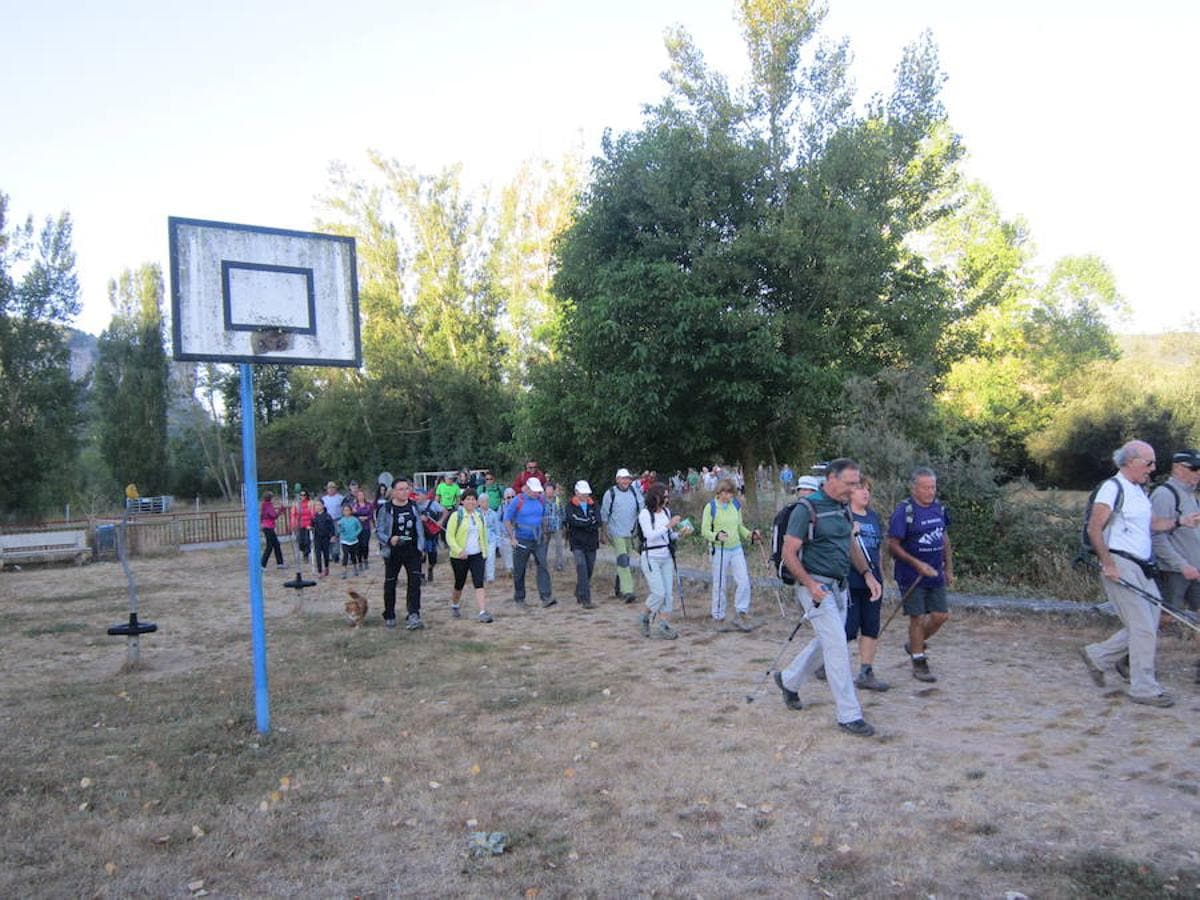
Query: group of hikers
point(827, 541)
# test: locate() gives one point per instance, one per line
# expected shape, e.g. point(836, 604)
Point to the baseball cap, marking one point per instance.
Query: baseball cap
point(623, 473)
point(582, 487)
point(1189, 457)
point(534, 485)
point(807, 483)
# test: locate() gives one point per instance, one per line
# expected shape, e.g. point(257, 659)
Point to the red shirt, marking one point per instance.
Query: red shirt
point(519, 482)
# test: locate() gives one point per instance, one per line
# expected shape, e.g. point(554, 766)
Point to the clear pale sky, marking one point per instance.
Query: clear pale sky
point(1078, 115)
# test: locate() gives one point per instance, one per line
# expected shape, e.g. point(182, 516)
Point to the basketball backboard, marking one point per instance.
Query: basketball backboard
point(244, 294)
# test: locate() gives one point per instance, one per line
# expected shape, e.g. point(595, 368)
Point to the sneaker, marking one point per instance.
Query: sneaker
point(588, 604)
point(280, 566)
point(486, 617)
point(414, 623)
point(629, 598)
point(742, 622)
point(820, 674)
point(665, 632)
point(1122, 667)
point(1094, 670)
point(521, 604)
point(859, 727)
point(1198, 673)
point(1164, 700)
point(454, 611)
point(790, 698)
point(921, 670)
point(868, 682)
point(546, 604)
point(343, 574)
point(389, 623)
point(644, 623)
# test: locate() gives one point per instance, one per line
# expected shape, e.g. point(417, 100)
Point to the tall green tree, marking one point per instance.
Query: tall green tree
point(39, 401)
point(131, 382)
point(743, 253)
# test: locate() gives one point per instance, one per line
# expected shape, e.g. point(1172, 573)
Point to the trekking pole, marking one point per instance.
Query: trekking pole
point(775, 662)
point(679, 586)
point(767, 565)
point(899, 606)
point(1183, 616)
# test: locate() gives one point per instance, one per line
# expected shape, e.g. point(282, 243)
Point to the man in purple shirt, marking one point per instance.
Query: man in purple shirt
point(919, 543)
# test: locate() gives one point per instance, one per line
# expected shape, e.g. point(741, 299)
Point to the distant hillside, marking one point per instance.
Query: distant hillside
point(84, 352)
point(1177, 348)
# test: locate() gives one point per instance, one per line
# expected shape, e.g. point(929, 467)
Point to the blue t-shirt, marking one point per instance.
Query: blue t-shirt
point(870, 531)
point(924, 538)
point(526, 514)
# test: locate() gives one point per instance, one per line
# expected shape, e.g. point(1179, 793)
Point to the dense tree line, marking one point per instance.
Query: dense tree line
point(757, 273)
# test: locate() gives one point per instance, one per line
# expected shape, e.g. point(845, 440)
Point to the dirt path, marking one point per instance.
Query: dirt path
point(617, 765)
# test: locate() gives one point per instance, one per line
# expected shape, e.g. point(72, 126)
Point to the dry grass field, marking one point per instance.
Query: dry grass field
point(617, 766)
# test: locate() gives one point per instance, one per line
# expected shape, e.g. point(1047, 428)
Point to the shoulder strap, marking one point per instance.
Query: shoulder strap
point(712, 510)
point(1174, 493)
point(812, 517)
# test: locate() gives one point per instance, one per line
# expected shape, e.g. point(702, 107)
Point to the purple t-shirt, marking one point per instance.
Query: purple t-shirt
point(924, 538)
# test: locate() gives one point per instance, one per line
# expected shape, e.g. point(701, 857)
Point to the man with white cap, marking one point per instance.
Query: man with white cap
point(619, 512)
point(807, 485)
point(583, 536)
point(523, 521)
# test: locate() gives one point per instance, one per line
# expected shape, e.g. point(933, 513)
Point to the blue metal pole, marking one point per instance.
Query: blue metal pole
point(253, 549)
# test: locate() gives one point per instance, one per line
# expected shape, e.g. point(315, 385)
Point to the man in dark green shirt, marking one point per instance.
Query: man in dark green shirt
point(819, 552)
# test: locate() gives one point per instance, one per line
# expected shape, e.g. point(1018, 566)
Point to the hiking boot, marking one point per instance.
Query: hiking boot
point(665, 632)
point(1198, 673)
point(588, 604)
point(414, 623)
point(921, 670)
point(546, 604)
point(1164, 700)
point(859, 727)
point(629, 598)
point(820, 674)
point(454, 611)
point(521, 604)
point(790, 698)
point(742, 622)
point(868, 682)
point(1122, 667)
point(1094, 670)
point(485, 617)
point(644, 624)
point(389, 623)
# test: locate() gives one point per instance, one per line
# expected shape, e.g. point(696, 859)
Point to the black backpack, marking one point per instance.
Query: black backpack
point(779, 526)
point(1085, 542)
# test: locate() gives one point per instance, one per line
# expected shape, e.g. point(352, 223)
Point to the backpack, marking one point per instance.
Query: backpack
point(639, 539)
point(612, 496)
point(779, 526)
point(1174, 493)
point(1085, 542)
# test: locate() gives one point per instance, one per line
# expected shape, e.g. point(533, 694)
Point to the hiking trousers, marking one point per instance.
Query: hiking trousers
point(585, 563)
point(623, 546)
point(1139, 637)
point(827, 649)
point(729, 565)
point(660, 579)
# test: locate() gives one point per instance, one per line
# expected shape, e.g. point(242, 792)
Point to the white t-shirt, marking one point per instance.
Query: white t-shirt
point(656, 531)
point(472, 546)
point(1128, 529)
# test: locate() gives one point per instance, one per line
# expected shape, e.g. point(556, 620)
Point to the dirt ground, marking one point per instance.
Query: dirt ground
point(616, 765)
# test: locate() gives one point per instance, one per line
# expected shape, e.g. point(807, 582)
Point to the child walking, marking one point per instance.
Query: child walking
point(349, 528)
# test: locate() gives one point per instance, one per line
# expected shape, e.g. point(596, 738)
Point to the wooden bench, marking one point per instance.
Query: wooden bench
point(35, 546)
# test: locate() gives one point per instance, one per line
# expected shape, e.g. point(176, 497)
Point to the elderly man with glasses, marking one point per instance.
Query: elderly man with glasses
point(1120, 528)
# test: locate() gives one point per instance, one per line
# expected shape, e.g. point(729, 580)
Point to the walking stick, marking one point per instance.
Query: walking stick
point(758, 687)
point(899, 606)
point(767, 565)
point(1183, 616)
point(679, 586)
